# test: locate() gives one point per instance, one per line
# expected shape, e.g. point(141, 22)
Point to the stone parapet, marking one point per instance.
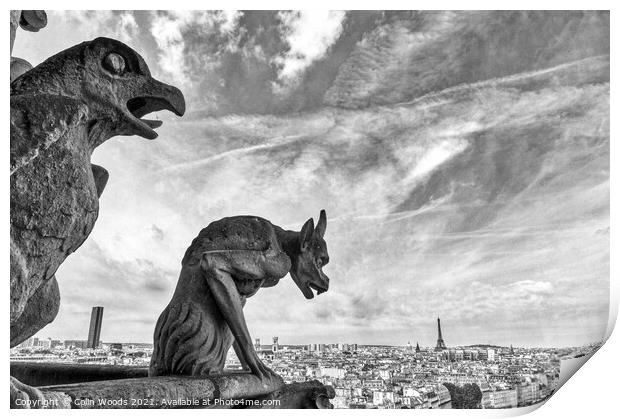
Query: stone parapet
point(129, 388)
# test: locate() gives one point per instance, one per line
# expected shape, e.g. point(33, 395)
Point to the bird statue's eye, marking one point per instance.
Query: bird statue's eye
point(114, 63)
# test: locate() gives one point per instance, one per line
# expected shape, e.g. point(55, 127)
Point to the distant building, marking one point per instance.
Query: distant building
point(257, 344)
point(373, 384)
point(380, 398)
point(441, 345)
point(43, 343)
point(81, 344)
point(504, 399)
point(332, 372)
point(410, 392)
point(528, 392)
point(94, 331)
point(266, 352)
point(491, 354)
point(443, 394)
point(385, 374)
point(275, 347)
point(487, 396)
point(339, 402)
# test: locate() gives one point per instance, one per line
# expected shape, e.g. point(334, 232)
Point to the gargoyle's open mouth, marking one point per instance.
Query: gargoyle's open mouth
point(140, 106)
point(307, 283)
point(318, 288)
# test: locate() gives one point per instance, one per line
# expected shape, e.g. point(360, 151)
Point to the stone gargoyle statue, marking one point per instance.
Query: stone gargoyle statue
point(60, 111)
point(229, 261)
point(29, 20)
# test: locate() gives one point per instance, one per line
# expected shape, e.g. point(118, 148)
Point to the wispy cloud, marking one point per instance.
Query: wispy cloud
point(235, 152)
point(167, 29)
point(309, 34)
point(128, 27)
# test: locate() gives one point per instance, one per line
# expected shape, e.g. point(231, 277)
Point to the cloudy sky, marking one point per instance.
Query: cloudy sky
point(462, 158)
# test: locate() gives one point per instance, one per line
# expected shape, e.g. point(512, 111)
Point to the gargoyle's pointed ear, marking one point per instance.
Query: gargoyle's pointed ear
point(306, 234)
point(321, 225)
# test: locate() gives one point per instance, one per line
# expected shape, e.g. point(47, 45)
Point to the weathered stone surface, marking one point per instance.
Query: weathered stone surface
point(33, 20)
point(18, 67)
point(45, 302)
point(137, 393)
point(225, 391)
point(24, 396)
point(30, 20)
point(229, 261)
point(53, 373)
point(15, 16)
point(306, 395)
point(61, 111)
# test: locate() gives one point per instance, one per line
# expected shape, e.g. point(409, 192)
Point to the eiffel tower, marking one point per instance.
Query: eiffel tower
point(440, 343)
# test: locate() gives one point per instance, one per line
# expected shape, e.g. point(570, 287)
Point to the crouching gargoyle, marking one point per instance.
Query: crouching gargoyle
point(226, 264)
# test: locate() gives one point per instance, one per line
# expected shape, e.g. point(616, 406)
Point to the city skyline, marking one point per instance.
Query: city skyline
point(476, 191)
point(365, 376)
point(97, 314)
point(427, 348)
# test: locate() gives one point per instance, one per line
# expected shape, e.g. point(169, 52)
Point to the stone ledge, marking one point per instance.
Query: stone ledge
point(53, 373)
point(160, 392)
point(235, 390)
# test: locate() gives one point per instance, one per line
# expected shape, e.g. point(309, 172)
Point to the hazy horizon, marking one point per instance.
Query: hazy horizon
point(267, 342)
point(462, 159)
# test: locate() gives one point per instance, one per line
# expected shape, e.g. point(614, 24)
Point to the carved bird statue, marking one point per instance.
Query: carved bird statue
point(60, 111)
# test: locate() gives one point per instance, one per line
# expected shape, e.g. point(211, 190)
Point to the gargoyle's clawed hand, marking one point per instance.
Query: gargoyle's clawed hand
point(321, 398)
point(24, 396)
point(267, 376)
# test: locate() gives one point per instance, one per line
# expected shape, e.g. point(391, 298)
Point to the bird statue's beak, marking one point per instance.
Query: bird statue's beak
point(153, 96)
